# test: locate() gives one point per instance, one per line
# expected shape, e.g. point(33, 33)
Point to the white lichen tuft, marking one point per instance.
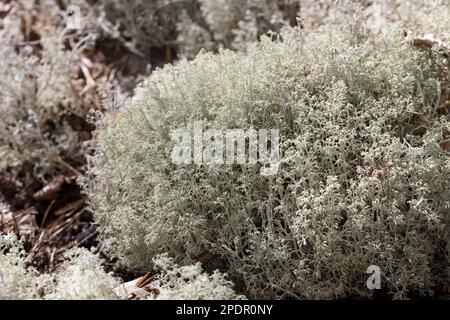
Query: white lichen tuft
point(81, 277)
point(189, 283)
point(17, 281)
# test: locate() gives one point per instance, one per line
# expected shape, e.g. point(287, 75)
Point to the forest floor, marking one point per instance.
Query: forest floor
point(51, 218)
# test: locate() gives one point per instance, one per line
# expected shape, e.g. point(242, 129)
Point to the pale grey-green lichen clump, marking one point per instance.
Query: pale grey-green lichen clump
point(363, 179)
point(17, 281)
point(82, 277)
point(189, 282)
point(37, 98)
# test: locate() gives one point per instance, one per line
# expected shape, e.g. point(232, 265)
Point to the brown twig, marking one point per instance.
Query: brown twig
point(47, 211)
point(58, 159)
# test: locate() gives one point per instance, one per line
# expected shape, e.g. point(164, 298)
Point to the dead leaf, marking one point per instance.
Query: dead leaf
point(116, 118)
point(445, 105)
point(445, 145)
point(206, 257)
point(129, 290)
point(50, 191)
point(429, 41)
